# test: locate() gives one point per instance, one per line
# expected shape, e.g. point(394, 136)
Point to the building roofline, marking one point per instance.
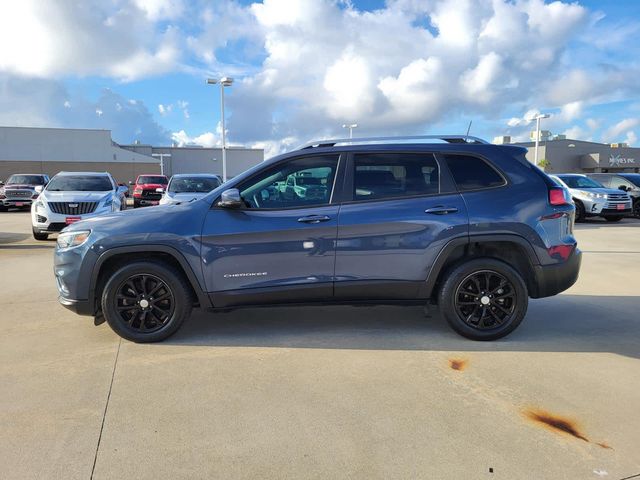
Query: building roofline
point(58, 128)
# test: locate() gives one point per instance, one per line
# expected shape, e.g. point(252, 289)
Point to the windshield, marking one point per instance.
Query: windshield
point(25, 180)
point(79, 183)
point(152, 179)
point(579, 182)
point(193, 184)
point(633, 178)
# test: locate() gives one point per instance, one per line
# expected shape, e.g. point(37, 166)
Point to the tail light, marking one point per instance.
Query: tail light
point(557, 196)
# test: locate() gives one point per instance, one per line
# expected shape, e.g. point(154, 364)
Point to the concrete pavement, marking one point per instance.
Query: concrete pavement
point(324, 392)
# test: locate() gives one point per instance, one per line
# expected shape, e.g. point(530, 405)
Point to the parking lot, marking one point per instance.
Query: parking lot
point(324, 392)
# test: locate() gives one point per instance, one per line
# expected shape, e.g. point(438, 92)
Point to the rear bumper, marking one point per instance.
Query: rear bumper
point(553, 279)
point(80, 307)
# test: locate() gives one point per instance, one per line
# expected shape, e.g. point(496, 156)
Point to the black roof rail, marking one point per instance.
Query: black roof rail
point(445, 138)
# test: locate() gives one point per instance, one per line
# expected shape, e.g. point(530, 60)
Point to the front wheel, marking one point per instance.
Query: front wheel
point(483, 299)
point(39, 235)
point(146, 301)
point(610, 218)
point(580, 212)
point(636, 209)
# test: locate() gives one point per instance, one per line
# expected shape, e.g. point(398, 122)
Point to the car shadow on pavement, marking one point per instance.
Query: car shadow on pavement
point(567, 323)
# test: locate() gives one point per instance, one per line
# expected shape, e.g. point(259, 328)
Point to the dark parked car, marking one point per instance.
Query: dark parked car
point(21, 190)
point(473, 227)
point(627, 182)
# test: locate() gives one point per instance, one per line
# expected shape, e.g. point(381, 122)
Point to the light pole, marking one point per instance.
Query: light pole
point(537, 118)
point(350, 126)
point(161, 155)
point(223, 82)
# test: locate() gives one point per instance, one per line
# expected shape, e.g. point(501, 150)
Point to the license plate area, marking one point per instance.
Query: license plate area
point(70, 220)
point(620, 206)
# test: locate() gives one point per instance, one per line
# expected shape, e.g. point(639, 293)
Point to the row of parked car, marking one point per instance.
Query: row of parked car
point(609, 195)
point(69, 197)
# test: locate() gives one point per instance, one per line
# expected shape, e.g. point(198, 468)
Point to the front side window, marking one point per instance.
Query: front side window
point(297, 183)
point(472, 173)
point(78, 183)
point(392, 175)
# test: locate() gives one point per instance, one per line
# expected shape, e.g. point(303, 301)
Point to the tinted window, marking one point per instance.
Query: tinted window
point(630, 181)
point(472, 173)
point(25, 180)
point(389, 175)
point(634, 178)
point(193, 184)
point(73, 183)
point(296, 183)
point(152, 179)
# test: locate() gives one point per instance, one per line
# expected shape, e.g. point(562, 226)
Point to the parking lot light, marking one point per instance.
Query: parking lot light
point(224, 82)
point(537, 118)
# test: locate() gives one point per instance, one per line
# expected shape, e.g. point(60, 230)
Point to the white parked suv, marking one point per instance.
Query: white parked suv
point(185, 187)
point(73, 196)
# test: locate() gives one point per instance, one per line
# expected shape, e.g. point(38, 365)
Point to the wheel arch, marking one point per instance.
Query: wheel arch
point(512, 249)
point(111, 259)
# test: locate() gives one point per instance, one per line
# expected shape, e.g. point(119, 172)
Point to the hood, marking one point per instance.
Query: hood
point(185, 196)
point(151, 185)
point(19, 186)
point(606, 191)
point(50, 196)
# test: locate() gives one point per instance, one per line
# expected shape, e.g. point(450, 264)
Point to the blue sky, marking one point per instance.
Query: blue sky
point(302, 68)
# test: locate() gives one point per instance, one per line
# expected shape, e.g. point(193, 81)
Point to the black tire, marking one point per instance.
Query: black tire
point(127, 315)
point(39, 235)
point(3, 208)
point(636, 208)
point(506, 301)
point(580, 213)
point(136, 203)
point(614, 218)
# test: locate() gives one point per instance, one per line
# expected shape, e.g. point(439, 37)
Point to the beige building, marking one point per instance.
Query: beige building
point(51, 150)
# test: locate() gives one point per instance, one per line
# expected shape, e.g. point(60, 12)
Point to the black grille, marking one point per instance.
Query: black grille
point(73, 208)
point(151, 195)
point(18, 193)
point(56, 227)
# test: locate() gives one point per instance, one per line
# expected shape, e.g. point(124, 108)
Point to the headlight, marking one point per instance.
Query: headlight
point(72, 239)
point(38, 204)
point(596, 195)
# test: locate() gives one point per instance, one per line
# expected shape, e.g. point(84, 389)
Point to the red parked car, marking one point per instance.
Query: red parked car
point(145, 191)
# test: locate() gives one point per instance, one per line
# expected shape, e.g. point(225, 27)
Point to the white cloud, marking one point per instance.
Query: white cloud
point(623, 127)
point(160, 9)
point(165, 109)
point(67, 104)
point(631, 138)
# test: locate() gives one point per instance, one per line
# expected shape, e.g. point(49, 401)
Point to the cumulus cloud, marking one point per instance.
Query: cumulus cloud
point(623, 127)
point(86, 38)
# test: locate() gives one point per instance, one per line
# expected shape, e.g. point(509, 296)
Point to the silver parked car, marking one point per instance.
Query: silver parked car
point(185, 187)
point(592, 199)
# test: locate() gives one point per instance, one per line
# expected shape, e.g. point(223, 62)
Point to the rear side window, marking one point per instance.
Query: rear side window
point(392, 175)
point(472, 173)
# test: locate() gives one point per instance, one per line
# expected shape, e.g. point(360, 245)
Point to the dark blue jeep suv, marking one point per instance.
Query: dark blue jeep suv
point(472, 227)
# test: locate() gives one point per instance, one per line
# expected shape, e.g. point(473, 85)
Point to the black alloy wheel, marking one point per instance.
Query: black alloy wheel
point(485, 300)
point(144, 303)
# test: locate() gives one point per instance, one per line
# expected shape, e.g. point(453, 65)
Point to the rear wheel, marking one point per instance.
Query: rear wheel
point(39, 235)
point(610, 218)
point(483, 299)
point(146, 301)
point(636, 209)
point(580, 213)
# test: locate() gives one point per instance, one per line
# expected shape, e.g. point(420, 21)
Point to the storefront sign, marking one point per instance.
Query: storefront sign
point(618, 160)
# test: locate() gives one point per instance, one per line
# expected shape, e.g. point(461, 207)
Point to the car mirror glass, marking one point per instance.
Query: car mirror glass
point(38, 188)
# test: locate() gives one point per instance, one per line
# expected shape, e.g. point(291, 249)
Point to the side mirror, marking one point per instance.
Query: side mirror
point(623, 188)
point(39, 188)
point(130, 182)
point(230, 199)
point(123, 189)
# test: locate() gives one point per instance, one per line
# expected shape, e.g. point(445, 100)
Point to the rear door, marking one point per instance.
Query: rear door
point(401, 209)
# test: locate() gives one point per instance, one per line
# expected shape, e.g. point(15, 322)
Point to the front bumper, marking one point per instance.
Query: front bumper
point(44, 220)
point(80, 307)
point(556, 278)
point(609, 212)
point(14, 202)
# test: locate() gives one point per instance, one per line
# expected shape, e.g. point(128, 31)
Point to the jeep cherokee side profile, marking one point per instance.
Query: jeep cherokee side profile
point(472, 227)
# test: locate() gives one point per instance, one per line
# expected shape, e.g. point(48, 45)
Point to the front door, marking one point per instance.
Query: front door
point(281, 246)
point(403, 209)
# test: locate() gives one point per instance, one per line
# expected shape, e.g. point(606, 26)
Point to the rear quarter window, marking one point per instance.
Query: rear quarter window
point(473, 173)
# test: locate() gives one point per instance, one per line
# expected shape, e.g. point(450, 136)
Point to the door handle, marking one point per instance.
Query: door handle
point(314, 219)
point(441, 210)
